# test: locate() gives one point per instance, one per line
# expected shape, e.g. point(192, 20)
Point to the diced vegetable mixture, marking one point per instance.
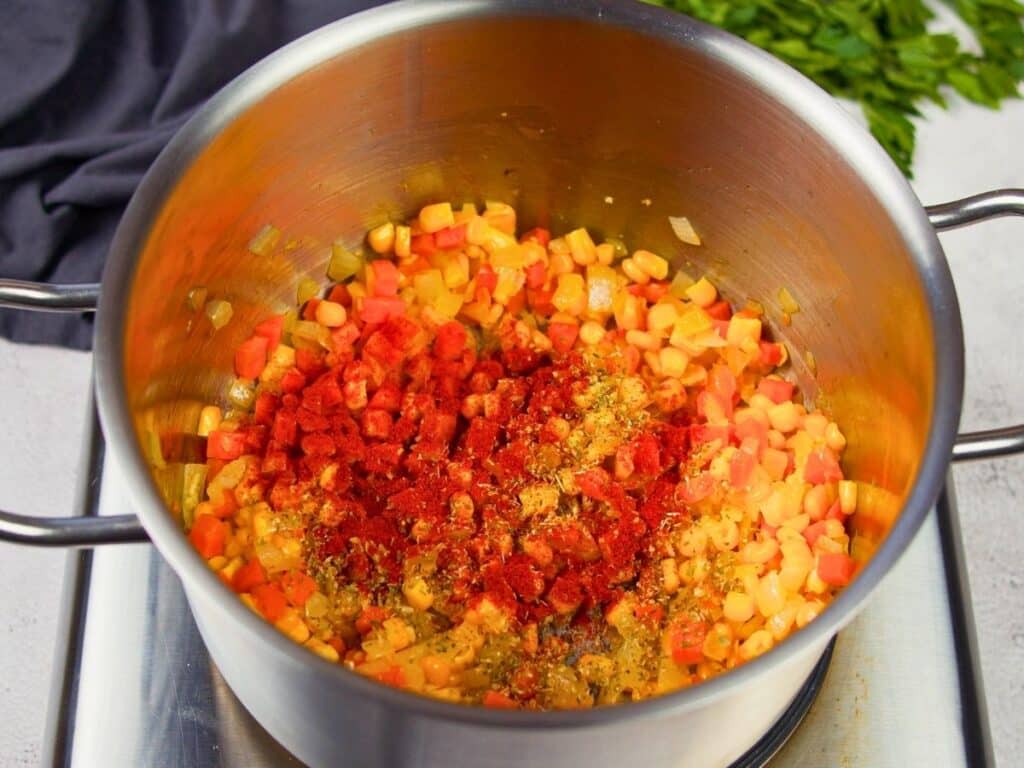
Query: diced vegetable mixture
point(520, 471)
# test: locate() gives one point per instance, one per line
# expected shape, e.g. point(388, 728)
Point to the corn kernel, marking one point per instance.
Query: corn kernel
point(738, 607)
point(815, 425)
point(627, 310)
point(702, 293)
point(605, 254)
point(403, 241)
point(591, 332)
point(673, 362)
point(652, 264)
point(436, 217)
point(661, 318)
point(293, 626)
point(669, 576)
point(847, 496)
point(692, 542)
point(784, 417)
point(834, 438)
point(330, 314)
point(322, 649)
point(808, 612)
point(642, 340)
point(770, 597)
point(781, 623)
point(217, 563)
point(725, 535)
point(634, 273)
point(382, 238)
point(758, 552)
point(581, 246)
point(501, 216)
point(209, 420)
point(436, 669)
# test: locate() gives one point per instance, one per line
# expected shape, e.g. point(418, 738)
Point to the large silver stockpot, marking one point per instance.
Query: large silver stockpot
point(605, 113)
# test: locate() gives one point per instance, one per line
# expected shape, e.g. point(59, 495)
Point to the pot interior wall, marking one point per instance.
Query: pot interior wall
point(575, 123)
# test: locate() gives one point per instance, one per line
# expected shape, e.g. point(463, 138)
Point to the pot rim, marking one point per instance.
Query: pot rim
point(796, 93)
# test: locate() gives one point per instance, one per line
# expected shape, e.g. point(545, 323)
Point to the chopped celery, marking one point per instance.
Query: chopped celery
point(306, 290)
point(192, 491)
point(153, 450)
point(313, 333)
point(343, 264)
point(265, 240)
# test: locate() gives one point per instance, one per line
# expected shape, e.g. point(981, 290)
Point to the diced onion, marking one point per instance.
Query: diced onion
point(265, 240)
point(787, 302)
point(684, 230)
point(197, 298)
point(219, 312)
point(343, 264)
point(306, 290)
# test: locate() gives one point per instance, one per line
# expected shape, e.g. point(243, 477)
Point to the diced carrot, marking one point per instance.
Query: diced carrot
point(563, 335)
point(685, 641)
point(835, 512)
point(770, 354)
point(225, 445)
point(248, 576)
point(498, 700)
point(814, 531)
point(836, 569)
point(339, 295)
point(371, 614)
point(822, 467)
point(720, 310)
point(451, 341)
point(271, 329)
point(487, 278)
point(776, 390)
point(270, 601)
point(377, 309)
point(450, 238)
point(382, 278)
point(655, 291)
point(740, 469)
point(208, 536)
point(297, 587)
point(538, 235)
point(251, 357)
point(424, 245)
point(693, 489)
point(228, 505)
point(309, 311)
point(536, 275)
point(393, 676)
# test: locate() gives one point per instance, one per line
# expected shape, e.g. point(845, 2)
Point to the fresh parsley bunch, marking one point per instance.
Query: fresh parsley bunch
point(880, 53)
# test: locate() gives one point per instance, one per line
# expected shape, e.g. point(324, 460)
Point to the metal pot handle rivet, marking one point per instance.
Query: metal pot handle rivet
point(61, 531)
point(1004, 441)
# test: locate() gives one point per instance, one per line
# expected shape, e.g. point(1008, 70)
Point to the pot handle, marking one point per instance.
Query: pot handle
point(61, 531)
point(989, 443)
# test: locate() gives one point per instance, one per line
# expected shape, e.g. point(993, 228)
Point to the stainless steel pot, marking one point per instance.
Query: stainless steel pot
point(608, 113)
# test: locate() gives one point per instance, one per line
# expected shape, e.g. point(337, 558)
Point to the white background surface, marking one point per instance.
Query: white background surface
point(43, 393)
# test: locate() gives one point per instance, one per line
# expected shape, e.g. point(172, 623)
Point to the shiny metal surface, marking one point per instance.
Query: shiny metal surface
point(376, 114)
point(49, 297)
point(992, 443)
point(148, 695)
point(70, 532)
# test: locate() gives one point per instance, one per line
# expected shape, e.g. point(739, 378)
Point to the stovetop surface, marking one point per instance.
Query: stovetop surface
point(139, 689)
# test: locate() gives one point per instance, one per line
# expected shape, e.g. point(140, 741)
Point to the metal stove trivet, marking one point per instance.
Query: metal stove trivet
point(134, 686)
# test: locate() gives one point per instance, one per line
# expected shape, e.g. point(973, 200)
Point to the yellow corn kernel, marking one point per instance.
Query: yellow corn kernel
point(847, 496)
point(808, 612)
point(436, 669)
point(581, 246)
point(403, 241)
point(436, 217)
point(834, 438)
point(743, 330)
point(797, 523)
point(382, 238)
point(718, 642)
point(652, 264)
point(570, 295)
point(605, 253)
point(758, 643)
point(293, 626)
point(661, 318)
point(249, 602)
point(758, 552)
point(814, 583)
point(815, 424)
point(784, 417)
point(330, 314)
point(738, 607)
point(634, 273)
point(591, 332)
point(500, 216)
point(642, 340)
point(209, 420)
point(627, 309)
point(725, 535)
point(398, 634)
point(322, 649)
point(217, 563)
point(418, 593)
point(781, 623)
point(673, 362)
point(510, 282)
point(702, 293)
point(692, 542)
point(770, 596)
point(533, 252)
point(669, 576)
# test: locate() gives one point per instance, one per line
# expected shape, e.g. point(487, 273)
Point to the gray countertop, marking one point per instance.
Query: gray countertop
point(44, 394)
